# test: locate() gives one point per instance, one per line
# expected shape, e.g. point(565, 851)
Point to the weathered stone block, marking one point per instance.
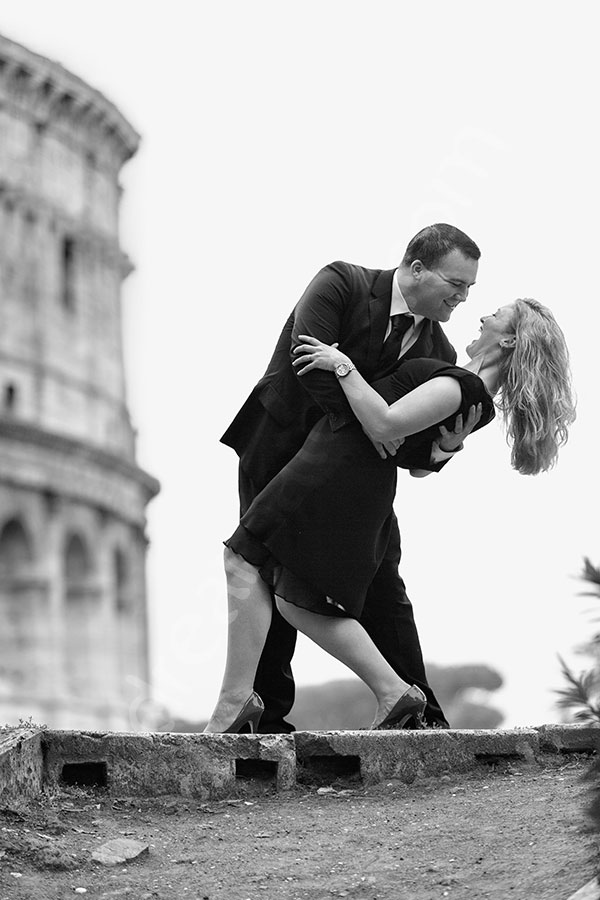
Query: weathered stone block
point(206, 766)
point(488, 746)
point(408, 755)
point(20, 764)
point(569, 738)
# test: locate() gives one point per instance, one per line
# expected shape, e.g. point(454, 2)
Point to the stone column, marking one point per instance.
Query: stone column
point(109, 680)
point(51, 567)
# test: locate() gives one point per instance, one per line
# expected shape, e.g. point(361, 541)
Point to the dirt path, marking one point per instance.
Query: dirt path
point(520, 834)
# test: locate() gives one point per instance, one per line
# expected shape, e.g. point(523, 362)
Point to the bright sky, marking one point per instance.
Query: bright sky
point(278, 137)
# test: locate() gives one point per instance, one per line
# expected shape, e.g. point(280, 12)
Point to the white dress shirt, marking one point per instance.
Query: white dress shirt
point(398, 306)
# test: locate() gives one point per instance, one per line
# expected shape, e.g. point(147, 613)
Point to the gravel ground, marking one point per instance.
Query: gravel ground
point(520, 832)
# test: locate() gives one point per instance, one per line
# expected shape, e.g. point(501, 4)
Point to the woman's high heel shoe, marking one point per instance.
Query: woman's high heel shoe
point(410, 706)
point(249, 714)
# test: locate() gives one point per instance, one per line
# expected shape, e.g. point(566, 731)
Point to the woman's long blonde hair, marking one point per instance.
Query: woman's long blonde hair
point(536, 396)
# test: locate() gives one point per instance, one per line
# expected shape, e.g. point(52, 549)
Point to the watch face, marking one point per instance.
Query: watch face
point(342, 370)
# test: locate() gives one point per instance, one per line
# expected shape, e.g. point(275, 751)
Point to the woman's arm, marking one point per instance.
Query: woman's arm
point(426, 405)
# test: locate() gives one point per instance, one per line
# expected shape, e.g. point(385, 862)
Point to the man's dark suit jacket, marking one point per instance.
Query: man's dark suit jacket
point(344, 303)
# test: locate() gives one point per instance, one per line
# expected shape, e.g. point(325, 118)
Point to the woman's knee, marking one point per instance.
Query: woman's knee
point(237, 567)
point(230, 560)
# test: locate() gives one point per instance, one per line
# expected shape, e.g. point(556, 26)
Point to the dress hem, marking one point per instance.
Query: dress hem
point(268, 571)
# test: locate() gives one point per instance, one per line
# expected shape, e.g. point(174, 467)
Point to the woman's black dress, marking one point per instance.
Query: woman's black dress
point(318, 531)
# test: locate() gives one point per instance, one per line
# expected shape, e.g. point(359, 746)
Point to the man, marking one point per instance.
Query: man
point(362, 310)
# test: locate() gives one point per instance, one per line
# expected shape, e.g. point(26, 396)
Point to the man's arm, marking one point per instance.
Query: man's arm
point(320, 313)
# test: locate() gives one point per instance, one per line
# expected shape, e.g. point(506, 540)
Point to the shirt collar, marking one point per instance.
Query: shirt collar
point(399, 304)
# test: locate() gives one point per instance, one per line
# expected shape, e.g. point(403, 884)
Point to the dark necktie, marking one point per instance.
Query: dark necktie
point(391, 346)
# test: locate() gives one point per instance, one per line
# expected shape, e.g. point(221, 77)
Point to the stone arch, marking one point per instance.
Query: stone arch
point(16, 551)
point(77, 558)
point(24, 628)
point(129, 627)
point(82, 611)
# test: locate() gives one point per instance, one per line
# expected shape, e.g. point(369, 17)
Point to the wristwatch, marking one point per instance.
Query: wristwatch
point(343, 368)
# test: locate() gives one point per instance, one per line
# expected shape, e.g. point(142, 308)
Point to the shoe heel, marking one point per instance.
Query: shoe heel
point(409, 708)
point(249, 715)
point(254, 721)
point(404, 720)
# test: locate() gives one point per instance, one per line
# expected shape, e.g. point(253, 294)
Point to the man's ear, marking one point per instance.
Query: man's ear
point(417, 268)
point(508, 343)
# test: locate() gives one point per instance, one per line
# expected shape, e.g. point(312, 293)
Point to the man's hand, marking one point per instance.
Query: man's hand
point(449, 441)
point(387, 448)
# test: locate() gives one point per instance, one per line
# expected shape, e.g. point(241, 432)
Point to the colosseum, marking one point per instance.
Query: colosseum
point(73, 619)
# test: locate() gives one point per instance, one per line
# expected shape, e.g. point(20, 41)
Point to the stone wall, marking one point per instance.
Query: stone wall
point(73, 630)
point(61, 267)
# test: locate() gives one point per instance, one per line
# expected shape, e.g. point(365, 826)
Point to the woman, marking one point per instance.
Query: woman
point(317, 532)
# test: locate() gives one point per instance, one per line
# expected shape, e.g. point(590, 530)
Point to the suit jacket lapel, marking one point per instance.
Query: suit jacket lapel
point(379, 314)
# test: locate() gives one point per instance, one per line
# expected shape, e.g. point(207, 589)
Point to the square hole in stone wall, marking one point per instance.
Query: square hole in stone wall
point(85, 774)
point(256, 769)
point(324, 770)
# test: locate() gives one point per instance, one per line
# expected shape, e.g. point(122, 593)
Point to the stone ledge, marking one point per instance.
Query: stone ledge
point(188, 765)
point(408, 755)
point(218, 766)
point(21, 764)
point(569, 738)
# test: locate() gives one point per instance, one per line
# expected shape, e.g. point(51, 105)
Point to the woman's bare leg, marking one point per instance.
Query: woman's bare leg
point(249, 617)
point(347, 640)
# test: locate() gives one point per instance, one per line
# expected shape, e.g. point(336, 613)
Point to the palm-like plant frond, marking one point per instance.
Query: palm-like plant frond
point(590, 574)
point(581, 694)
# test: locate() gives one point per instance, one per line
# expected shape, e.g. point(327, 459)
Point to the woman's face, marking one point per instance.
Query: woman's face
point(493, 328)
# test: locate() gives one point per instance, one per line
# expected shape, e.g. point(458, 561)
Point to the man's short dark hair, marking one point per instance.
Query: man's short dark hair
point(434, 242)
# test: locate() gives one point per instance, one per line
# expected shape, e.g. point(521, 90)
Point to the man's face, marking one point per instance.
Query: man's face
point(438, 291)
